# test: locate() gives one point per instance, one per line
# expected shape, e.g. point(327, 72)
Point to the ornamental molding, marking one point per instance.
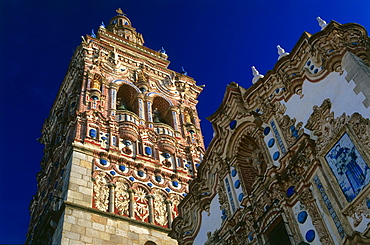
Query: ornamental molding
point(312, 59)
point(326, 128)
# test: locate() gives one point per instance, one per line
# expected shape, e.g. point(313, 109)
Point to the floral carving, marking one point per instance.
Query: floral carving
point(127, 150)
point(175, 200)
point(308, 201)
point(290, 130)
point(223, 200)
point(359, 212)
point(101, 192)
point(141, 204)
point(361, 127)
point(122, 197)
point(325, 126)
point(166, 163)
point(160, 211)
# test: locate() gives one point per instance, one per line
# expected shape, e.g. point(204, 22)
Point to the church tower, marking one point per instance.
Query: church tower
point(122, 142)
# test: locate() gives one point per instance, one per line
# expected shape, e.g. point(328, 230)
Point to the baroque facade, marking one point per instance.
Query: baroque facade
point(122, 142)
point(295, 165)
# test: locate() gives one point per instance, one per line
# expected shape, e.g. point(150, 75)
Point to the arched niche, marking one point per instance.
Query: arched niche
point(250, 162)
point(150, 243)
point(189, 117)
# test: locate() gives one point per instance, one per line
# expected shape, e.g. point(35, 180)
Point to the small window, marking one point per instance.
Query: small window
point(150, 243)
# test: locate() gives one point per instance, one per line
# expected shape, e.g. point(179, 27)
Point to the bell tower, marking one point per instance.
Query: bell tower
point(122, 142)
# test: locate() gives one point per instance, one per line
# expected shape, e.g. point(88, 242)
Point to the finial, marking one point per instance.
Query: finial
point(183, 71)
point(281, 52)
point(102, 24)
point(322, 23)
point(162, 51)
point(93, 33)
point(256, 75)
point(119, 11)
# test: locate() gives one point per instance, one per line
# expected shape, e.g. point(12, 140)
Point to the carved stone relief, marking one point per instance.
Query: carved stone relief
point(160, 212)
point(101, 191)
point(141, 208)
point(122, 197)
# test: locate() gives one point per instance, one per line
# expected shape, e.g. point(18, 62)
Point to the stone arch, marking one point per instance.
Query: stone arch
point(248, 155)
point(150, 243)
point(153, 94)
point(120, 82)
point(246, 128)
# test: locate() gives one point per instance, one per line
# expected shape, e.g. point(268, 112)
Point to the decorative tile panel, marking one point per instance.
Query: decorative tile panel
point(349, 168)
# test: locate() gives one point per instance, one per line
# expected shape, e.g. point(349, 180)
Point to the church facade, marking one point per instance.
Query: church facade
point(289, 160)
point(122, 142)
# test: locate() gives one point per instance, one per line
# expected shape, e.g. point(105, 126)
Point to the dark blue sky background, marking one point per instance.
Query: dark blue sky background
point(215, 41)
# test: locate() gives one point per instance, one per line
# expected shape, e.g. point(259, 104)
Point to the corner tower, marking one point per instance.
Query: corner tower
point(122, 142)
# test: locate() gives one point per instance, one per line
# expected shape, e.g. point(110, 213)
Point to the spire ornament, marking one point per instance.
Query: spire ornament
point(183, 71)
point(93, 33)
point(322, 23)
point(120, 12)
point(281, 52)
point(256, 75)
point(162, 51)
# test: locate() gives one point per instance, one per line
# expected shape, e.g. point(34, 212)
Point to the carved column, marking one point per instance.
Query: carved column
point(131, 193)
point(169, 212)
point(112, 99)
point(279, 194)
point(309, 201)
point(175, 117)
point(151, 209)
point(140, 101)
point(111, 187)
point(149, 101)
point(181, 117)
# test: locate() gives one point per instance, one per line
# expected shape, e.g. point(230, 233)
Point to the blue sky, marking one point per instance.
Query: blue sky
point(215, 41)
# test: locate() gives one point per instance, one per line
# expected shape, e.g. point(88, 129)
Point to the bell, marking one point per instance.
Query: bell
point(122, 107)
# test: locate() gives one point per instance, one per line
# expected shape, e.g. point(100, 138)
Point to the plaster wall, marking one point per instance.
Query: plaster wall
point(305, 225)
point(334, 87)
point(211, 221)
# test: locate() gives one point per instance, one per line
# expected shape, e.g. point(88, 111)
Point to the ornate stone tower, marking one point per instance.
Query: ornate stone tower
point(122, 142)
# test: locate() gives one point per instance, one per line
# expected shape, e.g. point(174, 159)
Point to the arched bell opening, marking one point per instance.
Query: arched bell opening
point(161, 111)
point(126, 99)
